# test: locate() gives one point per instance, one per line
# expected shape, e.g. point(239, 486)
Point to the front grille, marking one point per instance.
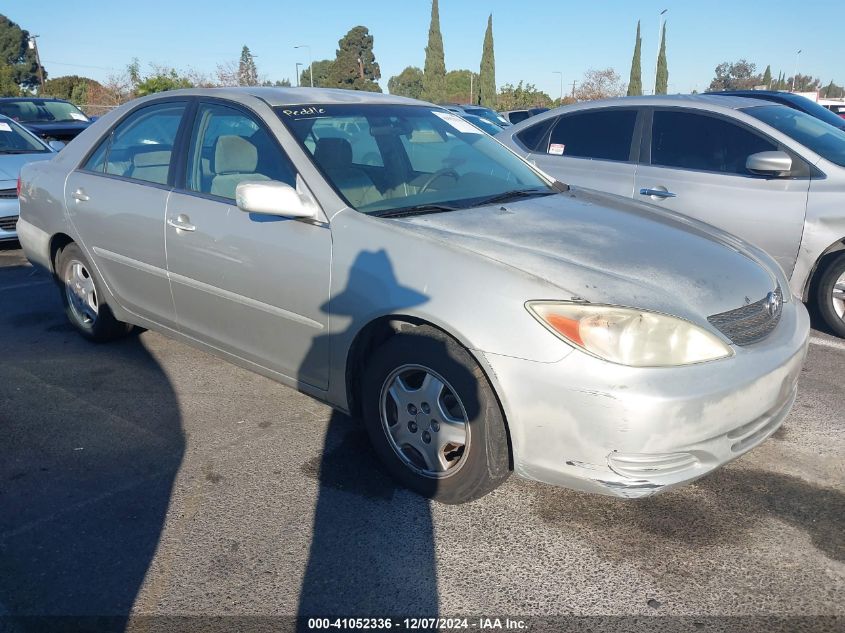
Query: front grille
point(752, 323)
point(8, 223)
point(8, 193)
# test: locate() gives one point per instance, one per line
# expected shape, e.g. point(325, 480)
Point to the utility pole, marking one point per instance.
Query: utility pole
point(310, 63)
point(360, 68)
point(559, 72)
point(33, 44)
point(797, 56)
point(471, 77)
point(573, 88)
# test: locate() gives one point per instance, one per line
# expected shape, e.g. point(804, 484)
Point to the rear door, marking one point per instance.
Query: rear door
point(695, 164)
point(595, 149)
point(117, 200)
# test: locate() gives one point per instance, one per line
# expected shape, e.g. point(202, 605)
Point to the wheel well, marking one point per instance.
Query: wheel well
point(57, 243)
point(821, 266)
point(375, 334)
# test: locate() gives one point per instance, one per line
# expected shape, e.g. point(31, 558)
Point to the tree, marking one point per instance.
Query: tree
point(600, 84)
point(803, 83)
point(767, 78)
point(69, 87)
point(355, 66)
point(512, 97)
point(15, 53)
point(8, 82)
point(833, 91)
point(434, 73)
point(739, 75)
point(635, 83)
point(247, 72)
point(408, 83)
point(661, 82)
point(487, 74)
point(321, 74)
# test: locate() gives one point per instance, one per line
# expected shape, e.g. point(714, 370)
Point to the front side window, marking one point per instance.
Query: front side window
point(599, 135)
point(825, 140)
point(229, 147)
point(392, 158)
point(16, 140)
point(687, 140)
point(141, 145)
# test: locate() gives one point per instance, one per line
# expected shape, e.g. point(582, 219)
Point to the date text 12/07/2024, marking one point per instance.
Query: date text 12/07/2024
point(417, 624)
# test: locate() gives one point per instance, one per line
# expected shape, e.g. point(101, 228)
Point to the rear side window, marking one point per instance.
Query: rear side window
point(688, 140)
point(532, 136)
point(599, 135)
point(142, 144)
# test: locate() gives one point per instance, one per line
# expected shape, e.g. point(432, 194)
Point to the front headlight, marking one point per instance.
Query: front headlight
point(637, 338)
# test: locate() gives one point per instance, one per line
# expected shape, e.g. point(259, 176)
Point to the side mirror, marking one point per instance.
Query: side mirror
point(769, 163)
point(270, 197)
point(56, 145)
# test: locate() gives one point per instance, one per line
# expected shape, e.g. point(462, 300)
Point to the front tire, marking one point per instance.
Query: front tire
point(433, 417)
point(84, 303)
point(830, 295)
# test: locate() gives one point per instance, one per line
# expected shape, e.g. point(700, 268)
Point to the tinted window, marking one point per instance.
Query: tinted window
point(531, 136)
point(518, 116)
point(825, 140)
point(227, 147)
point(142, 144)
point(600, 135)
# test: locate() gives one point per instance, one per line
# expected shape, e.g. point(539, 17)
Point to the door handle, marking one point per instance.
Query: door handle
point(181, 223)
point(657, 193)
point(80, 196)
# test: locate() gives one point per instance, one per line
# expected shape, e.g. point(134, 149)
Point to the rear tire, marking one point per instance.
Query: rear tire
point(433, 418)
point(84, 302)
point(830, 295)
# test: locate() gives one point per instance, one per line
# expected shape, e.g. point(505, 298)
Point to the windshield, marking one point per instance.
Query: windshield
point(486, 113)
point(14, 140)
point(383, 158)
point(42, 111)
point(488, 126)
point(825, 140)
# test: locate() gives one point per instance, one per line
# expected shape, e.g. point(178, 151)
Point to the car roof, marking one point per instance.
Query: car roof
point(295, 96)
point(732, 102)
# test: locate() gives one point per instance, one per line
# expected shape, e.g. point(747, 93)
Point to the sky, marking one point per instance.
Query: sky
point(532, 39)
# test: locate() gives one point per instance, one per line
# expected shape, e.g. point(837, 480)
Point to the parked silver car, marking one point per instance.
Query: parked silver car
point(768, 173)
point(388, 258)
point(18, 146)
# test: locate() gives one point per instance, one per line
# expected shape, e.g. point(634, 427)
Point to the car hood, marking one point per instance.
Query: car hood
point(10, 164)
point(607, 249)
point(62, 131)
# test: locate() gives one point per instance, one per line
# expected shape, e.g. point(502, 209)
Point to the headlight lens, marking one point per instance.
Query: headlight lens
point(626, 336)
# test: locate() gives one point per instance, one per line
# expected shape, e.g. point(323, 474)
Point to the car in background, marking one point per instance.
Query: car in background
point(791, 100)
point(18, 146)
point(474, 313)
point(769, 173)
point(479, 111)
point(837, 106)
point(51, 119)
point(518, 116)
point(483, 123)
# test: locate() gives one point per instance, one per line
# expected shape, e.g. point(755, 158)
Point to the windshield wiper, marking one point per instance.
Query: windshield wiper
point(514, 195)
point(420, 209)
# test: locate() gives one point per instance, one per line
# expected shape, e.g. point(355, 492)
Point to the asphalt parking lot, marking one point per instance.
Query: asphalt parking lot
point(149, 478)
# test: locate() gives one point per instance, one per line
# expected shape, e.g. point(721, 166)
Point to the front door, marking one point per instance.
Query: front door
point(117, 201)
point(697, 168)
point(251, 285)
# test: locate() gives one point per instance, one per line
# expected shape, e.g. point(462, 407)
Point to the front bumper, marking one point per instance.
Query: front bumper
point(590, 425)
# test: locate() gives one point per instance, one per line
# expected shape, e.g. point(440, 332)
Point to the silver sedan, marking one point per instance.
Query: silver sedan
point(388, 258)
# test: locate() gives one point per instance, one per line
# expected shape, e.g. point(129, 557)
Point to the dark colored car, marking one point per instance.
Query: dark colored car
point(794, 101)
point(51, 119)
point(517, 116)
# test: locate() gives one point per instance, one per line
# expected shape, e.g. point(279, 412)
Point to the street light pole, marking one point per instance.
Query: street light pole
point(795, 76)
point(298, 64)
point(559, 72)
point(33, 44)
point(657, 57)
point(310, 63)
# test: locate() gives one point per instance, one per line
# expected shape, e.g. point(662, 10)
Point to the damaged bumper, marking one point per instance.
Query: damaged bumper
point(630, 432)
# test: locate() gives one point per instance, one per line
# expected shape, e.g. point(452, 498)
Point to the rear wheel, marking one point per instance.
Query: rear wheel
point(830, 295)
point(433, 418)
point(84, 304)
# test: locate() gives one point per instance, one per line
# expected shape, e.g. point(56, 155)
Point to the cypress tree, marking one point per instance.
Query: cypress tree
point(487, 76)
point(662, 80)
point(767, 77)
point(434, 73)
point(247, 72)
point(635, 83)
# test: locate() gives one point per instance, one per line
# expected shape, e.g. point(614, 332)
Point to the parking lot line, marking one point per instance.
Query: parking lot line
point(824, 342)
